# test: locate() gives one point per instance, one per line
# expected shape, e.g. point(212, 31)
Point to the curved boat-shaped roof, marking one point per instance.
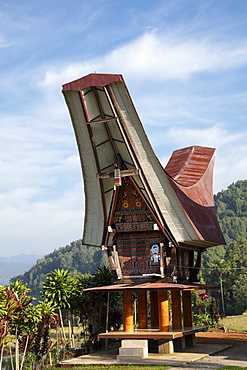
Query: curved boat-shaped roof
point(190, 173)
point(188, 165)
point(107, 127)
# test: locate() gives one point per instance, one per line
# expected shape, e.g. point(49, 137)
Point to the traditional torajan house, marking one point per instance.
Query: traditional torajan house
point(153, 222)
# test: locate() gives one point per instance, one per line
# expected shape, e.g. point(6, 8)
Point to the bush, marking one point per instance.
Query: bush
point(206, 310)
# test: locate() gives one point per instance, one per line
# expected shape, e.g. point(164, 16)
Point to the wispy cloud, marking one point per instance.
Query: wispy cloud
point(185, 67)
point(159, 57)
point(215, 136)
point(231, 150)
point(4, 43)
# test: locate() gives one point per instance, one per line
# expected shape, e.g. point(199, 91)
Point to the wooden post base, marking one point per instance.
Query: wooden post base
point(190, 340)
point(160, 346)
point(179, 344)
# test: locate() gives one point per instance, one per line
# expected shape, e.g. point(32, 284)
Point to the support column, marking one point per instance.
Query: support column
point(179, 343)
point(176, 309)
point(154, 309)
point(128, 320)
point(142, 310)
point(163, 310)
point(190, 339)
point(187, 308)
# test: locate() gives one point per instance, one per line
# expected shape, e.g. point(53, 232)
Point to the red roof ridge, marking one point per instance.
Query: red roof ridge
point(92, 79)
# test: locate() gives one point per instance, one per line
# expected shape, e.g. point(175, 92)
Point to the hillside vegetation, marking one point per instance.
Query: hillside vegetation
point(76, 258)
point(229, 263)
point(231, 207)
point(222, 263)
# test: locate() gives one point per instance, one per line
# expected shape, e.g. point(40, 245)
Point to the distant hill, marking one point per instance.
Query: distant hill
point(21, 258)
point(15, 265)
point(76, 258)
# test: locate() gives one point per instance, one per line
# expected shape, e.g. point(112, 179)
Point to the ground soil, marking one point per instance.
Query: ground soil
point(220, 337)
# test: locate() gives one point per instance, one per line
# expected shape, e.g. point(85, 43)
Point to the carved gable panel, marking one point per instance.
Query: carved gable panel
point(131, 212)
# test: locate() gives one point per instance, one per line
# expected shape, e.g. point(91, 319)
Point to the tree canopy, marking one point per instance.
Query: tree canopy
point(229, 262)
point(76, 258)
point(231, 208)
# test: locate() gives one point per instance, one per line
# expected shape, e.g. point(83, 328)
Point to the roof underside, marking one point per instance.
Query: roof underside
point(106, 125)
point(151, 286)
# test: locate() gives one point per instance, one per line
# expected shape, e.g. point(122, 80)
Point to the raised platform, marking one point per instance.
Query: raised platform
point(149, 286)
point(153, 333)
point(191, 355)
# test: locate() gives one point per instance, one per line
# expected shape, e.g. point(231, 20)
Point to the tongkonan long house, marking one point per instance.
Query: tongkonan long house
point(154, 222)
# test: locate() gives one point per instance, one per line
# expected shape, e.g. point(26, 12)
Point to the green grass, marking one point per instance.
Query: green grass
point(112, 367)
point(236, 323)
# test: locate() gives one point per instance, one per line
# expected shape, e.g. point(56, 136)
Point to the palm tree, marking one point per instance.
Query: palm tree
point(102, 276)
point(58, 289)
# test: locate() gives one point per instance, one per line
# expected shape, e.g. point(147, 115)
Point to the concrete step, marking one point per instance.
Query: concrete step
point(129, 358)
point(130, 351)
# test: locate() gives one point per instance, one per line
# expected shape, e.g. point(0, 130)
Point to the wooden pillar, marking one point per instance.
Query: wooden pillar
point(154, 308)
point(187, 308)
point(176, 309)
point(128, 320)
point(142, 310)
point(163, 310)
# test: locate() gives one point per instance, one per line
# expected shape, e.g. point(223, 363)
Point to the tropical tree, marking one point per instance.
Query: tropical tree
point(25, 326)
point(11, 310)
point(235, 279)
point(34, 328)
point(19, 287)
point(98, 311)
point(58, 289)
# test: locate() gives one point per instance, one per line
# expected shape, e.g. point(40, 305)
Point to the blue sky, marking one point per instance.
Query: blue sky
point(185, 65)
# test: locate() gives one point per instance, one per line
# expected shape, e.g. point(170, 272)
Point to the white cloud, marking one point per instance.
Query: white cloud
point(195, 116)
point(231, 150)
point(158, 57)
point(3, 42)
point(179, 81)
point(168, 57)
point(40, 225)
point(41, 193)
point(231, 164)
point(214, 136)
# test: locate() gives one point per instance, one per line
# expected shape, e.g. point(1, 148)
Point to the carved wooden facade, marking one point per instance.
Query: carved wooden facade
point(140, 249)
